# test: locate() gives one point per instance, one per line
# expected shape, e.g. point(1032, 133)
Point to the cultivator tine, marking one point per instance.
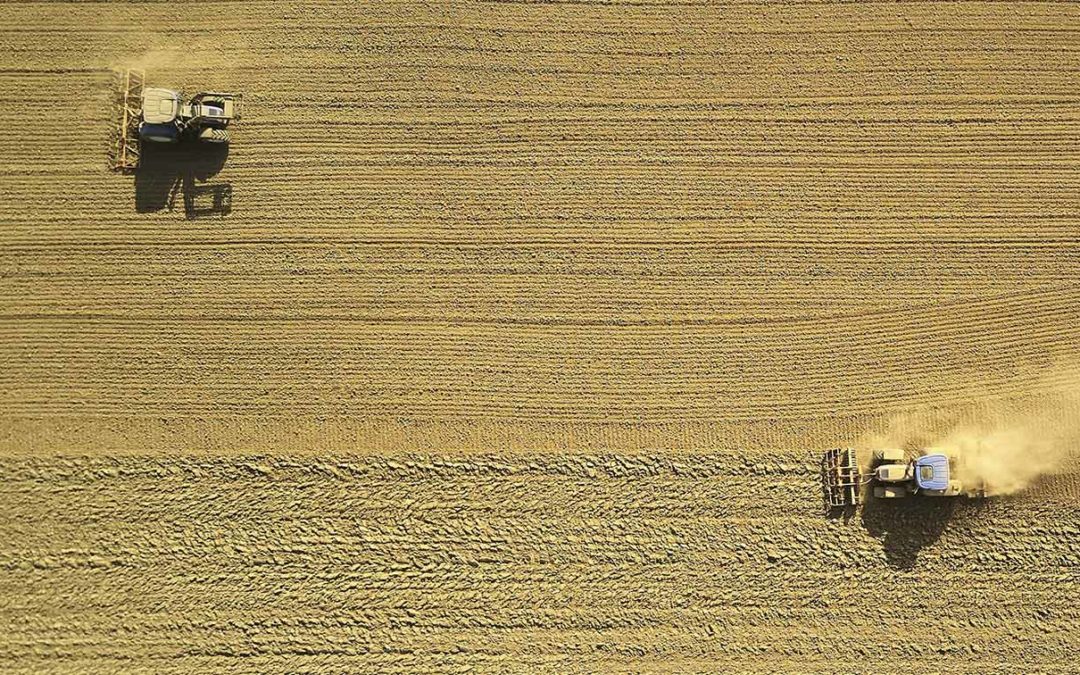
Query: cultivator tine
point(840, 479)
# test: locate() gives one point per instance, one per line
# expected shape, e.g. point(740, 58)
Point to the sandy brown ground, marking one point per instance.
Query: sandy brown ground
point(525, 331)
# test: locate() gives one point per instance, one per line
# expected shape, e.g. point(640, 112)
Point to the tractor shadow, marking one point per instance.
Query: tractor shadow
point(168, 172)
point(907, 526)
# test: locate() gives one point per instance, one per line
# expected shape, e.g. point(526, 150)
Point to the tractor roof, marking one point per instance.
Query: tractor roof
point(932, 472)
point(160, 106)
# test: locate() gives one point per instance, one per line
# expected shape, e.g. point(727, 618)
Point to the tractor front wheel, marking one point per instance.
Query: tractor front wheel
point(212, 135)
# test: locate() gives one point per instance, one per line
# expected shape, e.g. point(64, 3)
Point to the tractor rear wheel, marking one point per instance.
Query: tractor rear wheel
point(212, 135)
point(889, 492)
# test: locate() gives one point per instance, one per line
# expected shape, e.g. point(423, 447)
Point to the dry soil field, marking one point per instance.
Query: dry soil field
point(525, 330)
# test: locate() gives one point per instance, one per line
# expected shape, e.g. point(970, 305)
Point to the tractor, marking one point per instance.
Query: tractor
point(158, 115)
point(892, 474)
point(166, 117)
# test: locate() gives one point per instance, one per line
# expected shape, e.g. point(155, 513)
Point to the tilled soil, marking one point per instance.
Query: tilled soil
point(506, 336)
point(544, 562)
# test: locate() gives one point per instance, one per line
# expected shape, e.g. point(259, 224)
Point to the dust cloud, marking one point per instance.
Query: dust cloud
point(159, 59)
point(199, 54)
point(1006, 459)
point(1002, 445)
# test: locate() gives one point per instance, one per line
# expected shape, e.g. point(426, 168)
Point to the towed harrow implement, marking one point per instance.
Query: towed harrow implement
point(840, 478)
point(125, 145)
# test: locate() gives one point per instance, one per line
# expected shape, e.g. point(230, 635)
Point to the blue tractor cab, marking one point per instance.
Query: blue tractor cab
point(932, 472)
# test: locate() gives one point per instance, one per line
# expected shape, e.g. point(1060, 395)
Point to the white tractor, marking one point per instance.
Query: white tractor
point(166, 117)
point(158, 115)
